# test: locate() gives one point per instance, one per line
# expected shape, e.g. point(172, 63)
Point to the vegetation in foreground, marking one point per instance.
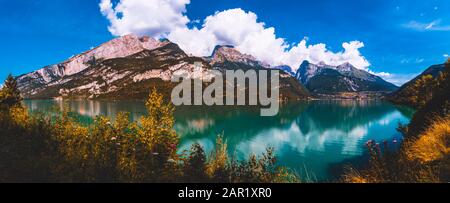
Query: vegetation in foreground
point(424, 156)
point(55, 148)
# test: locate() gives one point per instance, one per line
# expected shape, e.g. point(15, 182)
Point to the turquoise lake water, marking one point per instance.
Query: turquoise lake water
point(314, 138)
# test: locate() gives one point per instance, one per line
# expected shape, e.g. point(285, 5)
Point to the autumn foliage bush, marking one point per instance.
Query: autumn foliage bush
point(424, 157)
point(55, 148)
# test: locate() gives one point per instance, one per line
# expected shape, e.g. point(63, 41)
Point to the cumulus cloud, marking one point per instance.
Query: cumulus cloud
point(166, 18)
point(150, 17)
point(242, 29)
point(232, 27)
point(320, 53)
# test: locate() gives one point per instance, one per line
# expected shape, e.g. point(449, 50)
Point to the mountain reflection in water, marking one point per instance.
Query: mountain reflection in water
point(307, 136)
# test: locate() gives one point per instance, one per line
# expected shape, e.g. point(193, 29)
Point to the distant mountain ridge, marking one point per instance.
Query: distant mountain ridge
point(326, 79)
point(226, 53)
point(229, 58)
point(433, 70)
point(128, 67)
point(416, 92)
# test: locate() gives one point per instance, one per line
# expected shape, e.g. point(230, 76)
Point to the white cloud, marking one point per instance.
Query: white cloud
point(194, 41)
point(166, 18)
point(431, 26)
point(320, 53)
point(253, 37)
point(412, 60)
point(446, 55)
point(232, 27)
point(150, 17)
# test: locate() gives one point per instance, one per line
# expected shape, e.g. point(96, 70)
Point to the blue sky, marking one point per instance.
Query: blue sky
point(400, 37)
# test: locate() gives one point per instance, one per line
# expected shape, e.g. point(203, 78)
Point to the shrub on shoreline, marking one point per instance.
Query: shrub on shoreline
point(424, 156)
point(55, 148)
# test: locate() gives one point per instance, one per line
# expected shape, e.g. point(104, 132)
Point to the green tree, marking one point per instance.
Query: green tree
point(423, 90)
point(196, 164)
point(10, 94)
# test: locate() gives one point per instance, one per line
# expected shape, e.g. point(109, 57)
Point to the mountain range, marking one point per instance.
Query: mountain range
point(326, 79)
point(127, 67)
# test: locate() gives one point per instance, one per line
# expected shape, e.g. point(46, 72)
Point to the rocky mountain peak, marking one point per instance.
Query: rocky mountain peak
point(346, 67)
point(222, 48)
point(286, 69)
point(116, 48)
point(227, 53)
point(326, 78)
point(127, 67)
point(306, 71)
point(150, 43)
point(305, 63)
point(322, 63)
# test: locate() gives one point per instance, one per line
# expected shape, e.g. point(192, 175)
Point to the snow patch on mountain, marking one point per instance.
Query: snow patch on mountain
point(353, 86)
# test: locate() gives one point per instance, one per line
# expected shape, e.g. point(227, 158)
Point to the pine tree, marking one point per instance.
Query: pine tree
point(10, 94)
point(196, 164)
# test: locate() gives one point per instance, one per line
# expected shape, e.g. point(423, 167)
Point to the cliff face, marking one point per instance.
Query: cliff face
point(116, 48)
